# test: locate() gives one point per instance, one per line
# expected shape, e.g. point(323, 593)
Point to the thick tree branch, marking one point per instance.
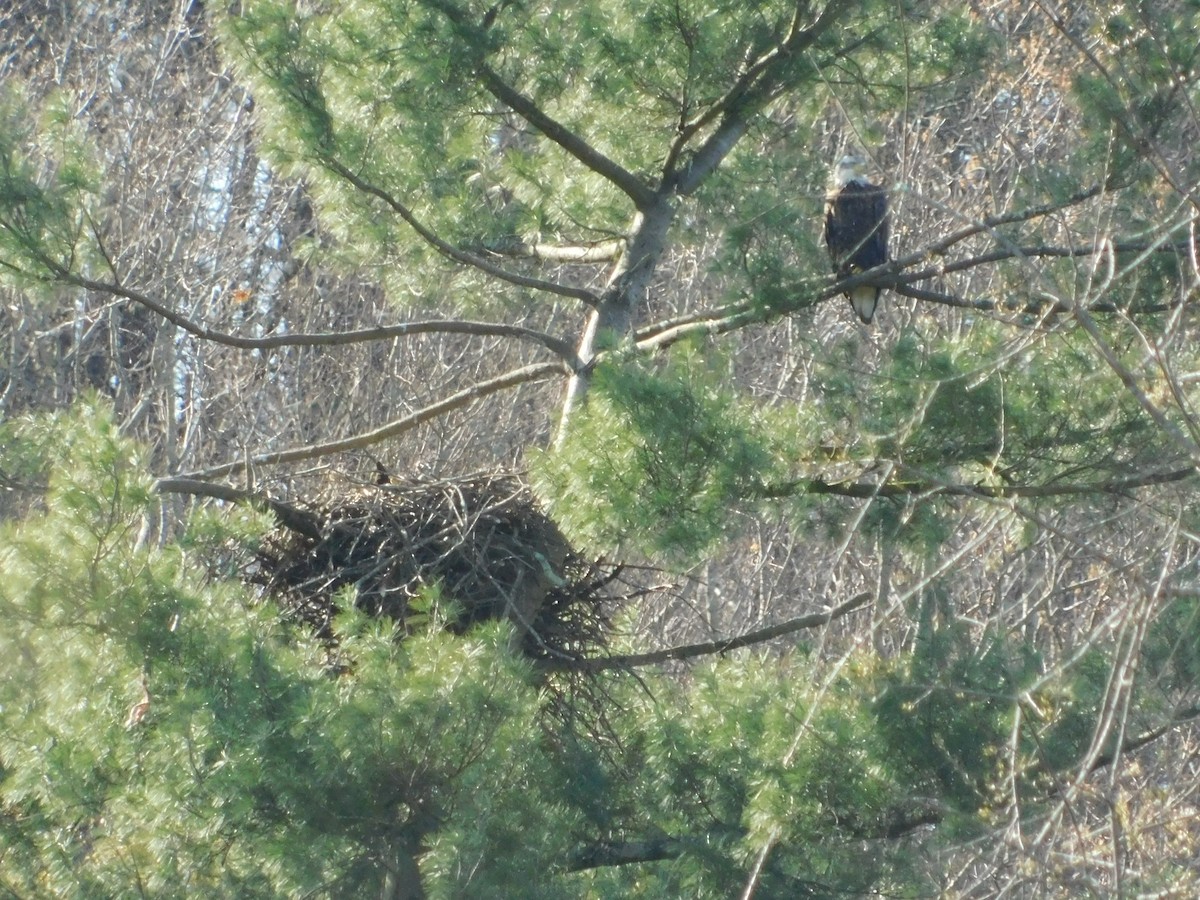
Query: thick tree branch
point(635, 188)
point(662, 326)
point(720, 143)
point(708, 648)
point(293, 517)
point(525, 375)
point(60, 274)
point(623, 853)
point(559, 347)
point(624, 180)
point(716, 322)
point(755, 77)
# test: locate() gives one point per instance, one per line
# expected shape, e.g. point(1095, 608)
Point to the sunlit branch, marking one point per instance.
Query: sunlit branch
point(714, 322)
point(648, 332)
point(525, 375)
point(600, 252)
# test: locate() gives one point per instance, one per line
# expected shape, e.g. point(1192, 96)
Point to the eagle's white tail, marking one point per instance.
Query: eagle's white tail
point(864, 299)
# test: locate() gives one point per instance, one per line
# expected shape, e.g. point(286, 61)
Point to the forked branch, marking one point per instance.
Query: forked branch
point(449, 250)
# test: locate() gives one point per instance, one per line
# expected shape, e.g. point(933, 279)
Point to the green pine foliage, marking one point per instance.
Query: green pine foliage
point(164, 731)
point(1172, 651)
point(252, 771)
point(1146, 56)
point(659, 462)
point(395, 93)
point(48, 182)
point(406, 117)
point(752, 756)
point(974, 721)
point(256, 770)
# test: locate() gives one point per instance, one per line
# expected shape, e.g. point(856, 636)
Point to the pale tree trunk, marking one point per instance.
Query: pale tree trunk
point(613, 321)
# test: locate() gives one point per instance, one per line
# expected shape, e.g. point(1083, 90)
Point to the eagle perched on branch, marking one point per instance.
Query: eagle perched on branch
point(856, 230)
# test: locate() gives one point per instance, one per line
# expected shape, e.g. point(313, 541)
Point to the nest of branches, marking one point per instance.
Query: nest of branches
point(456, 551)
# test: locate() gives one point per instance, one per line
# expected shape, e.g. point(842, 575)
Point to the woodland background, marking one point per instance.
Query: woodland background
point(437, 461)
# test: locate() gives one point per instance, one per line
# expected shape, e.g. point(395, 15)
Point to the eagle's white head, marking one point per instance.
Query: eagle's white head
point(850, 167)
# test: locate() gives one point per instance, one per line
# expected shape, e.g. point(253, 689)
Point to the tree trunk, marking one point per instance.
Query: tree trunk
point(614, 319)
point(402, 881)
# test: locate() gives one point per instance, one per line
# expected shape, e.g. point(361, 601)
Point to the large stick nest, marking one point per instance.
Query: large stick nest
point(480, 545)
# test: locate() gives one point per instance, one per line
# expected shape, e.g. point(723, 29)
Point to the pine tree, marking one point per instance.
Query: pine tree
point(947, 565)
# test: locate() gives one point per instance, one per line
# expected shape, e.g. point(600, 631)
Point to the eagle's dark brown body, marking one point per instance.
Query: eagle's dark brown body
point(856, 231)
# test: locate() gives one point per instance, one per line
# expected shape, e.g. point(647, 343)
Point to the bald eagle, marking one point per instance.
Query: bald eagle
point(856, 230)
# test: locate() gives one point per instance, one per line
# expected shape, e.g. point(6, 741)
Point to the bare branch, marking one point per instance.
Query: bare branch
point(991, 223)
point(559, 347)
point(1131, 745)
point(1043, 251)
point(866, 490)
point(462, 398)
point(813, 620)
point(293, 517)
point(449, 250)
